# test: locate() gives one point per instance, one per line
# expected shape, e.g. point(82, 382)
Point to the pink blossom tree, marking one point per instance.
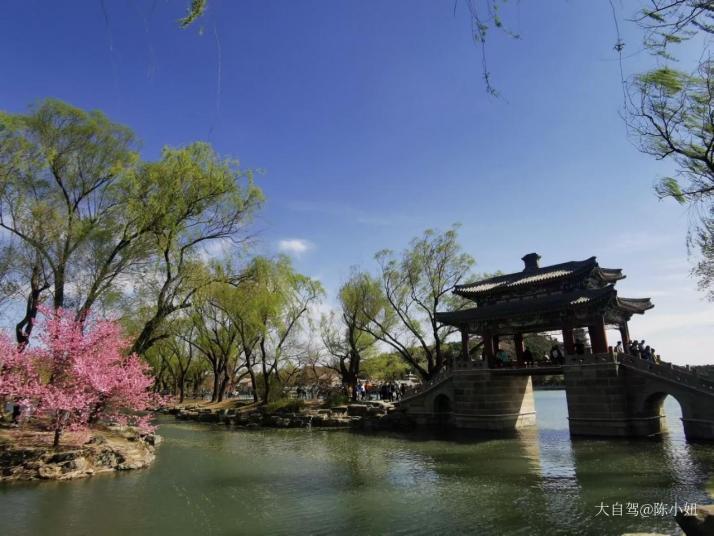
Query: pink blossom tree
point(79, 374)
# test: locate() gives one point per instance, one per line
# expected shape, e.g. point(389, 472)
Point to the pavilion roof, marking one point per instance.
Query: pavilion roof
point(532, 277)
point(568, 301)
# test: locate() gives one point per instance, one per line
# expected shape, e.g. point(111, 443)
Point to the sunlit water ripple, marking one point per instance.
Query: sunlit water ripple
point(213, 480)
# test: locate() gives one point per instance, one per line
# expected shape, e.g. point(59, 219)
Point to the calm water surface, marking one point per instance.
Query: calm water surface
point(213, 480)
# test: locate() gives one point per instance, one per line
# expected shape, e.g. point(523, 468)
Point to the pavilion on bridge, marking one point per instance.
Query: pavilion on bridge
point(562, 297)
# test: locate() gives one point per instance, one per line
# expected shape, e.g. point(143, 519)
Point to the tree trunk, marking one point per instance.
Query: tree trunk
point(266, 387)
point(352, 383)
point(24, 326)
point(55, 442)
point(216, 381)
point(222, 387)
point(181, 387)
point(142, 342)
point(59, 289)
point(253, 384)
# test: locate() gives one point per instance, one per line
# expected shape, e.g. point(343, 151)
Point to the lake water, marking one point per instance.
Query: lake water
point(209, 479)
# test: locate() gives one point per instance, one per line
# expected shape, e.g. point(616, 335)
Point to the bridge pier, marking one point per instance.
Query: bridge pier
point(619, 395)
point(597, 401)
point(475, 399)
point(492, 400)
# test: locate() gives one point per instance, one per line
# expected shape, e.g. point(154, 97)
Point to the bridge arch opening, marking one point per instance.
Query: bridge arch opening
point(442, 405)
point(668, 407)
point(442, 411)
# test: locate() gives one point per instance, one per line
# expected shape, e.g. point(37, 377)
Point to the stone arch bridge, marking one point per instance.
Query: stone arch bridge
point(609, 393)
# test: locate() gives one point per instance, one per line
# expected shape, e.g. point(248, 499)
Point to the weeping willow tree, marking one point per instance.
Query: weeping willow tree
point(670, 111)
point(270, 311)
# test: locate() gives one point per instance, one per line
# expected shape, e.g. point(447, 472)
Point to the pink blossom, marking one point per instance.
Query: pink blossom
point(78, 375)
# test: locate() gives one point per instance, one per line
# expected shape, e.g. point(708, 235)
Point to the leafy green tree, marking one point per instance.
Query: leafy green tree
point(385, 367)
point(271, 312)
point(344, 333)
point(63, 196)
point(671, 113)
point(196, 197)
point(674, 119)
point(90, 217)
point(703, 239)
point(216, 339)
point(173, 358)
point(400, 304)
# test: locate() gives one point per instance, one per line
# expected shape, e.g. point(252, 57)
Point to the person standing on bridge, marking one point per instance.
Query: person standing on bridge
point(618, 348)
point(528, 357)
point(503, 358)
point(556, 356)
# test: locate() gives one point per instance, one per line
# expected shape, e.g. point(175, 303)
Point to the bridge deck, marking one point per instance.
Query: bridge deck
point(537, 370)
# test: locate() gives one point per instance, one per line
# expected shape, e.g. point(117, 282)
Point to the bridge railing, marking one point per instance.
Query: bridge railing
point(663, 369)
point(669, 371)
point(443, 373)
point(483, 365)
point(461, 364)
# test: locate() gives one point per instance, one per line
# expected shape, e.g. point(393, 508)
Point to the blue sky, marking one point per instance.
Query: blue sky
point(371, 122)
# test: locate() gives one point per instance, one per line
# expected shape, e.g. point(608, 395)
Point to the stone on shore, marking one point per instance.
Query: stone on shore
point(700, 524)
point(117, 449)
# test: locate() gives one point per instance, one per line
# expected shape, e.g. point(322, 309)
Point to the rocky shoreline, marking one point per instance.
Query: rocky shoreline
point(113, 449)
point(367, 415)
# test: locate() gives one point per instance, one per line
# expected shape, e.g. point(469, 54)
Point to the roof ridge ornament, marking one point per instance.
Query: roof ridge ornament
point(531, 262)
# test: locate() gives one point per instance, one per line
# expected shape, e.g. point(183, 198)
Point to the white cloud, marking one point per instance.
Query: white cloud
point(295, 246)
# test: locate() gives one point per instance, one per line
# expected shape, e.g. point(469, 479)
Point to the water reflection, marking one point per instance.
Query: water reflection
point(213, 480)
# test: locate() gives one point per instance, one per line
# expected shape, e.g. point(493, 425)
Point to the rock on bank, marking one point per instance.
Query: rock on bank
point(116, 449)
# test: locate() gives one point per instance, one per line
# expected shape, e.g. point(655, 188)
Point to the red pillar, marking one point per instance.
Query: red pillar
point(598, 337)
point(488, 347)
point(568, 340)
point(495, 362)
point(625, 334)
point(464, 343)
point(518, 342)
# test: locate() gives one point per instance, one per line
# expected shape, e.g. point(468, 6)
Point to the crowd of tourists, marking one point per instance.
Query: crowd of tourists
point(388, 391)
point(556, 356)
point(638, 349)
point(529, 359)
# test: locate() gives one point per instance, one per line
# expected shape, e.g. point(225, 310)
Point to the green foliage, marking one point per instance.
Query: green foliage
point(703, 240)
point(538, 344)
point(336, 398)
point(285, 405)
point(668, 80)
point(270, 309)
point(669, 187)
point(385, 367)
point(670, 22)
point(63, 173)
point(672, 114)
point(195, 10)
point(675, 120)
point(403, 299)
point(344, 334)
point(89, 213)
